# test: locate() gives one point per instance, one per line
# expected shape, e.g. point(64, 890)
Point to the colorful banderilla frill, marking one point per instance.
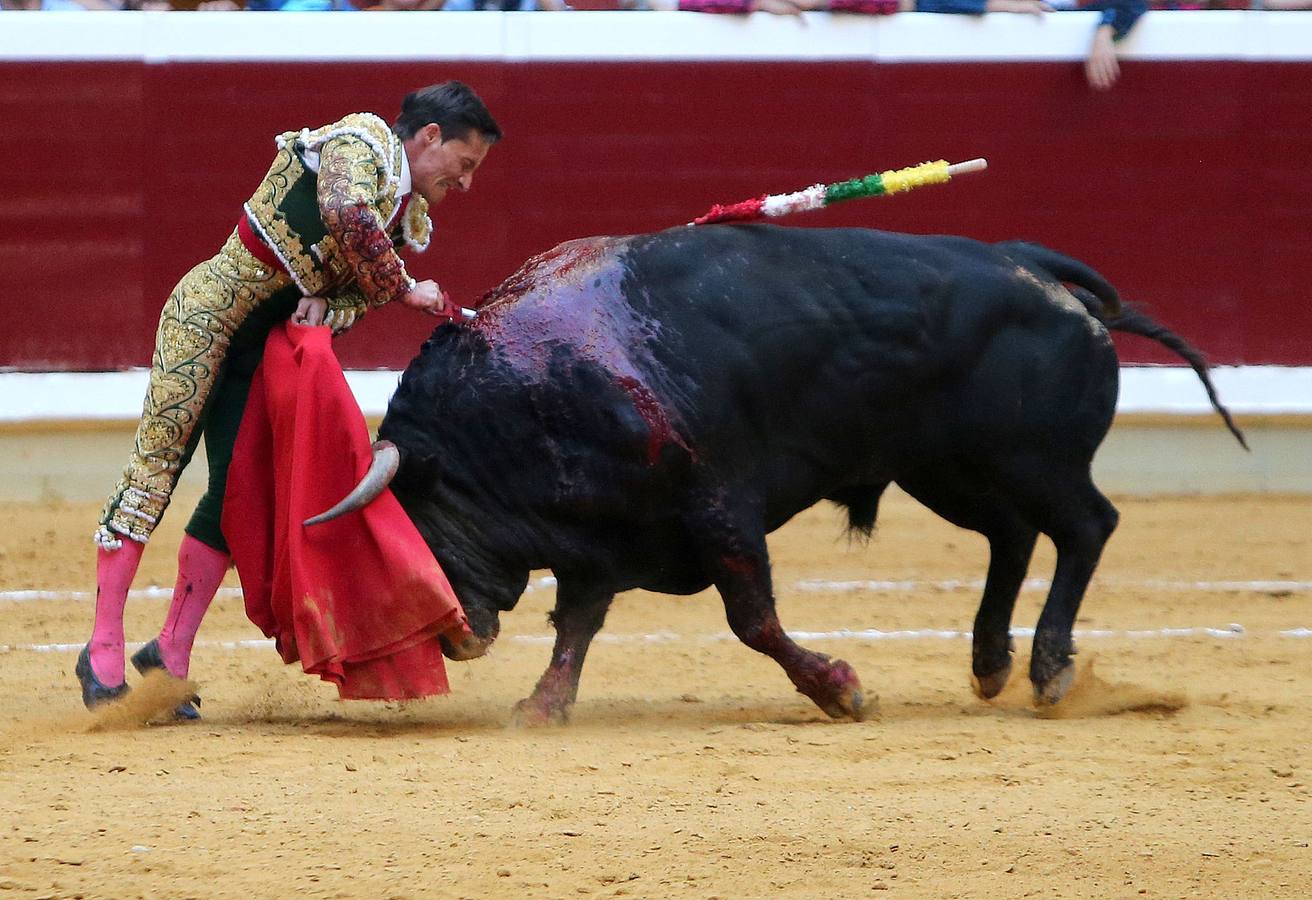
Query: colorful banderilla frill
point(822, 195)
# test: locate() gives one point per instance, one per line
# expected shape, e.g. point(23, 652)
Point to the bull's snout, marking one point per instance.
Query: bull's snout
point(472, 647)
point(484, 627)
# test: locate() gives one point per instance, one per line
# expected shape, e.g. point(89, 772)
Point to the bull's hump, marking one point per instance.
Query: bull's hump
point(567, 301)
point(566, 312)
point(562, 266)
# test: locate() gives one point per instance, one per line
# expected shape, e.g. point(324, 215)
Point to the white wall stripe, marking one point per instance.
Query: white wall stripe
point(1160, 390)
point(1171, 390)
point(1042, 584)
point(150, 593)
point(831, 587)
point(1232, 631)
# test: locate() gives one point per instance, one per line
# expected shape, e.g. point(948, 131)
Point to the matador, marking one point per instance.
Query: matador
point(317, 243)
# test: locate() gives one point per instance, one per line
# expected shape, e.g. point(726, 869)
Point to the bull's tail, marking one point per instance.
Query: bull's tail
point(1104, 303)
point(1071, 271)
point(1135, 321)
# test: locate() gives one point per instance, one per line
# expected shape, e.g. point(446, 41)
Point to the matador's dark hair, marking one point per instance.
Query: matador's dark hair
point(453, 106)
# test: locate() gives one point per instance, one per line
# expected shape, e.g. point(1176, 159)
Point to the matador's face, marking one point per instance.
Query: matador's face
point(437, 166)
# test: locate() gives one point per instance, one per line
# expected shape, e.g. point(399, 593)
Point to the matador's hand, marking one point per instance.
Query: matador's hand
point(310, 311)
point(427, 297)
point(344, 311)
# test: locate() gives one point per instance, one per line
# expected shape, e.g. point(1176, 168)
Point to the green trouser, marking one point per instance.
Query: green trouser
point(221, 418)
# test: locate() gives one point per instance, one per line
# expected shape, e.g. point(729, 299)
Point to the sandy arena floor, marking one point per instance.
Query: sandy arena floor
point(691, 768)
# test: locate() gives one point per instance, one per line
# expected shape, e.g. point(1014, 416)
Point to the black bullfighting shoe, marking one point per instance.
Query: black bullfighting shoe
point(93, 692)
point(147, 658)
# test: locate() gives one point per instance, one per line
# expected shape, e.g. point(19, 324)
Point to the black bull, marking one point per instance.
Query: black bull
point(641, 412)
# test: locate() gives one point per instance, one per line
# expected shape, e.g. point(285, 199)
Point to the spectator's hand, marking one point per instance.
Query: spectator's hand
point(1101, 68)
point(1033, 7)
point(217, 6)
point(310, 311)
point(429, 298)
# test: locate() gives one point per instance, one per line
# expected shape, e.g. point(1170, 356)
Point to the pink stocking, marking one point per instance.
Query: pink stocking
point(200, 572)
point(114, 572)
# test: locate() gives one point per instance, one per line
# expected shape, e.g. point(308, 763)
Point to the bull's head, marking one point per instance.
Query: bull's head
point(482, 613)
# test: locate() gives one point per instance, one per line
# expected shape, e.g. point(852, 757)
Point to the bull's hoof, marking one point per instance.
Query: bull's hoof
point(840, 695)
point(987, 687)
point(534, 713)
point(1049, 692)
point(854, 706)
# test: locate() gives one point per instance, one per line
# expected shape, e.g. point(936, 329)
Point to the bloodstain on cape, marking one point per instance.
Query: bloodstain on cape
point(360, 600)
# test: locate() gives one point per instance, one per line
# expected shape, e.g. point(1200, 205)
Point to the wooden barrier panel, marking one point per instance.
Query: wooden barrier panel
point(1184, 185)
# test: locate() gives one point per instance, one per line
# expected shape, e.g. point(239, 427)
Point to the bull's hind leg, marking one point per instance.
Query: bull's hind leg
point(1079, 519)
point(579, 614)
point(740, 567)
point(1010, 549)
point(967, 504)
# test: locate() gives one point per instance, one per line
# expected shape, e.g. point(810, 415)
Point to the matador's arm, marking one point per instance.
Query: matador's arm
point(348, 189)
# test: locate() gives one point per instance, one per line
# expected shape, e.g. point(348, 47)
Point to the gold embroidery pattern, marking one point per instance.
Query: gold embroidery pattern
point(337, 271)
point(195, 329)
point(348, 189)
point(416, 227)
point(348, 298)
point(370, 130)
point(375, 159)
point(264, 208)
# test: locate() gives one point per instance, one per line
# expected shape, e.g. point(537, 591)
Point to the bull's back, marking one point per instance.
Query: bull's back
point(834, 333)
point(728, 337)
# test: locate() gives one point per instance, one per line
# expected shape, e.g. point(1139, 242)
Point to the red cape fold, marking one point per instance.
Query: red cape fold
point(360, 600)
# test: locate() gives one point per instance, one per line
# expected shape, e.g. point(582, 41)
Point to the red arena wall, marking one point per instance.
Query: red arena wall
point(1185, 185)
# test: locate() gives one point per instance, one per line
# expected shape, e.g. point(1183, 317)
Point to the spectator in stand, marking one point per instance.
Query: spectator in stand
point(505, 5)
point(55, 5)
point(301, 6)
point(1100, 67)
point(404, 6)
point(867, 7)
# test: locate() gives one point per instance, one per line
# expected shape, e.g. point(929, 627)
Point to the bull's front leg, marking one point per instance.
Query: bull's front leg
point(742, 576)
point(579, 614)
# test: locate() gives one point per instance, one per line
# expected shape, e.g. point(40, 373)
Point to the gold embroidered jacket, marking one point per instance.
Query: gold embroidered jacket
point(329, 230)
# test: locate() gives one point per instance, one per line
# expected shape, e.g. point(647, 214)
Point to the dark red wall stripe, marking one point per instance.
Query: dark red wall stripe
point(1185, 185)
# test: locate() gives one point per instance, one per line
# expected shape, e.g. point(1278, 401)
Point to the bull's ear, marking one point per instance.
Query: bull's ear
point(387, 459)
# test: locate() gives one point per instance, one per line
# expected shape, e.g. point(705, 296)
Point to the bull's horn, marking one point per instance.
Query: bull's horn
point(387, 459)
